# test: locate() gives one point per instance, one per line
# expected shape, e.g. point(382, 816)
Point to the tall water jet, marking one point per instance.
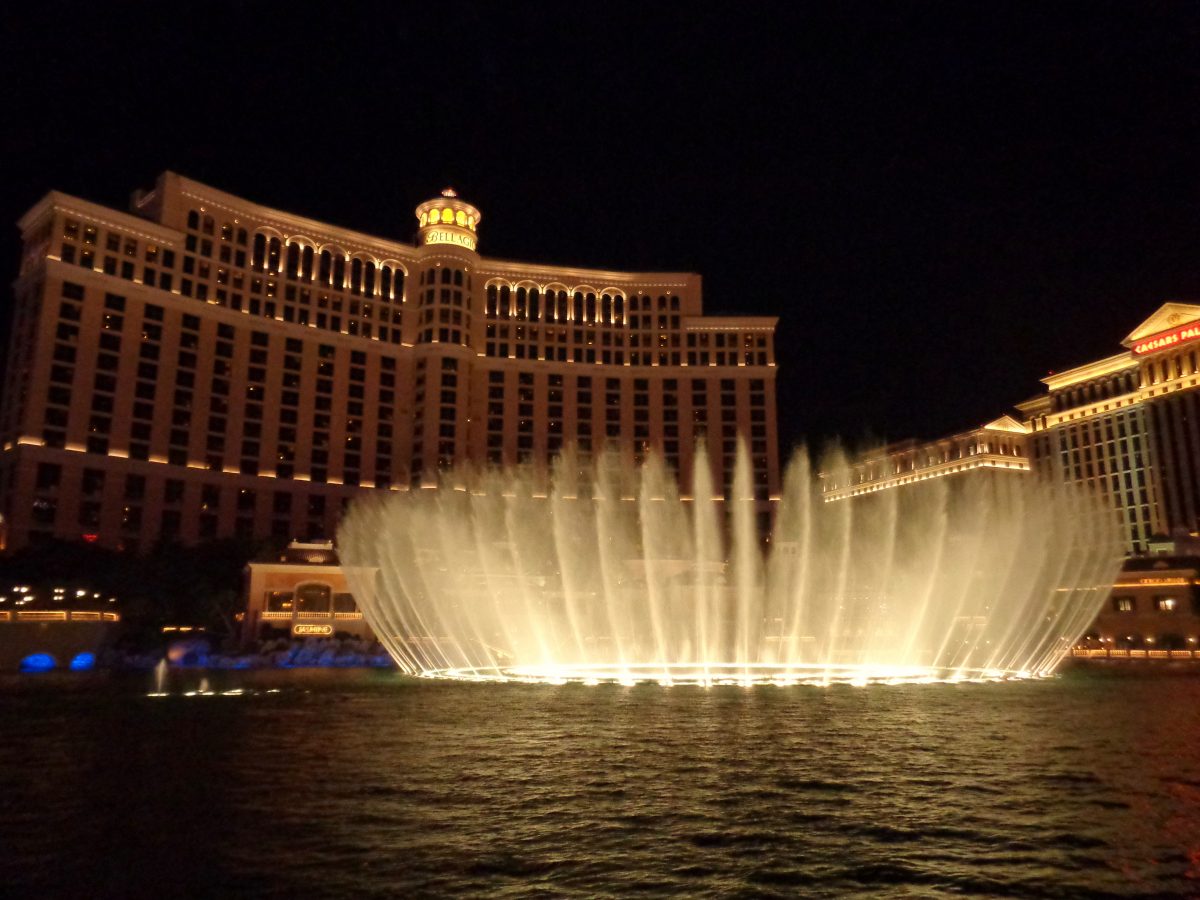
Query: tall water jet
point(596, 573)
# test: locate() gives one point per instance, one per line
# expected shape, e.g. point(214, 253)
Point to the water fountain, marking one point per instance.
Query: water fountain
point(604, 574)
point(160, 679)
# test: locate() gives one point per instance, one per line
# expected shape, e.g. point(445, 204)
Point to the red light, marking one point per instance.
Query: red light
point(90, 538)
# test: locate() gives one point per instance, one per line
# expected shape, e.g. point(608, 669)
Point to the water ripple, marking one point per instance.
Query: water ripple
point(353, 785)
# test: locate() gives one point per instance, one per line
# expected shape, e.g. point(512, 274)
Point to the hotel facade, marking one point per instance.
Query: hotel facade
point(204, 367)
point(1127, 426)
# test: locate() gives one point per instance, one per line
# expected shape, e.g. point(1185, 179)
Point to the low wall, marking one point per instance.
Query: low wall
point(62, 640)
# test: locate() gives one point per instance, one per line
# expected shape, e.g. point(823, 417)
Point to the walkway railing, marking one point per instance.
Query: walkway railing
point(1117, 653)
point(58, 615)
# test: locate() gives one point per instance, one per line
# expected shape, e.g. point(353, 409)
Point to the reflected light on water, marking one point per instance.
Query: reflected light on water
point(732, 674)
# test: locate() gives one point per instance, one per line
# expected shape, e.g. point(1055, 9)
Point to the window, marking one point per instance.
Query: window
point(48, 475)
point(135, 487)
point(279, 601)
point(1123, 604)
point(1166, 604)
point(93, 483)
point(313, 599)
point(44, 510)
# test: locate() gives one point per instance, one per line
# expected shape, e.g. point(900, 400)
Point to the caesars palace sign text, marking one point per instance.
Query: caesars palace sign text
point(1170, 339)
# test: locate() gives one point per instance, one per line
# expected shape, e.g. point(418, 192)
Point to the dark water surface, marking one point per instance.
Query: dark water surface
point(364, 784)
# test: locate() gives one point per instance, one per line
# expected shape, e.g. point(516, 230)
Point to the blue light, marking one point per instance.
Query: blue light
point(83, 662)
point(38, 662)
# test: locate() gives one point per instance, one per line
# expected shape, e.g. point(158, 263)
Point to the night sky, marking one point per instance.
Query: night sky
point(941, 203)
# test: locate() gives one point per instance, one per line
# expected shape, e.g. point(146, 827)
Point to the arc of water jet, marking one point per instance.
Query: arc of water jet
point(391, 616)
point(455, 614)
point(935, 566)
point(566, 523)
point(1017, 525)
point(799, 593)
point(651, 488)
point(969, 561)
point(488, 522)
point(512, 517)
point(440, 601)
point(746, 556)
point(362, 582)
point(1075, 559)
point(706, 541)
point(890, 500)
point(845, 518)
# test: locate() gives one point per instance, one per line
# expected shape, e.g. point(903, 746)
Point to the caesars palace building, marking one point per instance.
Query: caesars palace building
point(1127, 426)
point(204, 367)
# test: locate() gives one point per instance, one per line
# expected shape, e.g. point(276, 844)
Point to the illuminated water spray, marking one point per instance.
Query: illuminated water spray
point(607, 574)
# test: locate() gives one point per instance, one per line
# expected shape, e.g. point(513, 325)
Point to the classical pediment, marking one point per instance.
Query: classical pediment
point(1167, 317)
point(1006, 423)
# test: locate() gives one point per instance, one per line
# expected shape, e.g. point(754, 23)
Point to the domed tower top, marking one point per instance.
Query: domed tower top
point(448, 220)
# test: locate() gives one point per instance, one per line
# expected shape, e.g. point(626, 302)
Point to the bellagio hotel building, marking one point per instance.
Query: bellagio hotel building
point(204, 367)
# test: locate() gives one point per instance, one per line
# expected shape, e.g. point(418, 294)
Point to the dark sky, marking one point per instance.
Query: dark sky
point(942, 203)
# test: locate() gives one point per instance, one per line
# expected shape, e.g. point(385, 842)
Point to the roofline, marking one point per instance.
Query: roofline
point(297, 224)
point(1175, 306)
point(1029, 404)
point(499, 267)
point(906, 445)
point(721, 323)
point(96, 212)
point(235, 204)
point(1106, 366)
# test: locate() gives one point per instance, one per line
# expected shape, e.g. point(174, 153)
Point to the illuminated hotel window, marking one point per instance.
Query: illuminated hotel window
point(279, 601)
point(1166, 604)
point(1123, 604)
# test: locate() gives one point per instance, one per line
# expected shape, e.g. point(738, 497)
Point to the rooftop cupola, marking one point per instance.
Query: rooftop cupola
point(448, 220)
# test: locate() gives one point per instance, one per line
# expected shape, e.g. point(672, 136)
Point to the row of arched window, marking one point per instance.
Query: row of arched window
point(1096, 390)
point(310, 598)
point(366, 277)
point(447, 216)
point(530, 304)
point(299, 262)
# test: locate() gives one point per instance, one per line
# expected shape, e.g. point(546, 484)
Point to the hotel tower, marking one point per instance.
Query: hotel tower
point(204, 367)
point(1126, 426)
